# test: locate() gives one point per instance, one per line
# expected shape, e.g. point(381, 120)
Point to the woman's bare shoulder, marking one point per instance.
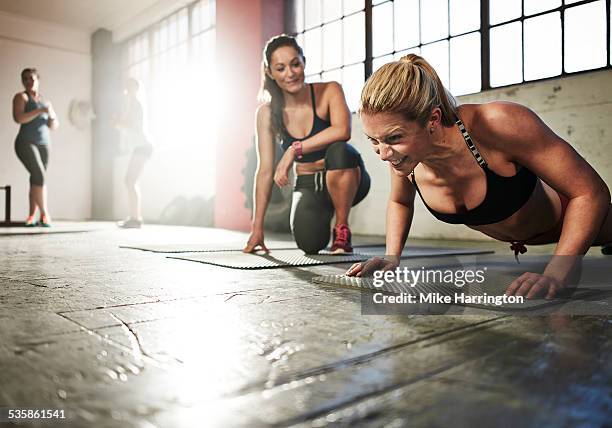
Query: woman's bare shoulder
point(264, 111)
point(327, 88)
point(498, 115)
point(20, 96)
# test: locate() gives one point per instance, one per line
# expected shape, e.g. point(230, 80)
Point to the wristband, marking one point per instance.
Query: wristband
point(297, 148)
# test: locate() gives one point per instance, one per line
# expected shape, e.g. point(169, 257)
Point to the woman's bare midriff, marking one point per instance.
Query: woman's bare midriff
point(306, 168)
point(539, 215)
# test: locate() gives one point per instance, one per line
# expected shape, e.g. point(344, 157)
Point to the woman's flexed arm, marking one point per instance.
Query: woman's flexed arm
point(339, 117)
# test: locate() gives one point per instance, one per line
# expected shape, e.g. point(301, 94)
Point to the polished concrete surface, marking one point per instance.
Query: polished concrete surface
point(126, 338)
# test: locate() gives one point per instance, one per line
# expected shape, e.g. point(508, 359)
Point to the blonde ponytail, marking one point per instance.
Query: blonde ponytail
point(410, 87)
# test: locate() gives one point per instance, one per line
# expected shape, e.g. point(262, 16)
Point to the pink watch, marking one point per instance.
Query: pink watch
point(297, 148)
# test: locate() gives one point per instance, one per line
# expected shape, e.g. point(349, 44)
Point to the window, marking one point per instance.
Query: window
point(332, 34)
point(537, 39)
point(473, 44)
point(174, 60)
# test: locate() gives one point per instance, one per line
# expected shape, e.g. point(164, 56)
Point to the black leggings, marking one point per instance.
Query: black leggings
point(35, 158)
point(312, 208)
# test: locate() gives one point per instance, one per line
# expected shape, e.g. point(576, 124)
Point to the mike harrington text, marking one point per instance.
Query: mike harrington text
point(437, 298)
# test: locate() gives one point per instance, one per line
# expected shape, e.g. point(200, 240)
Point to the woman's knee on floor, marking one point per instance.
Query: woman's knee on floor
point(310, 221)
point(341, 155)
point(309, 240)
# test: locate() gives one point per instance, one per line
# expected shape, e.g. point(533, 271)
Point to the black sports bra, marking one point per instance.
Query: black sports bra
point(504, 195)
point(318, 125)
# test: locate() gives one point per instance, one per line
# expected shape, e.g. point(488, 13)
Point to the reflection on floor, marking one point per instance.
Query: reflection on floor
point(120, 337)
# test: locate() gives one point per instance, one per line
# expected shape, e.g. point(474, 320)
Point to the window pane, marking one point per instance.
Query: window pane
point(542, 46)
point(382, 29)
point(335, 75)
point(536, 6)
point(464, 16)
point(437, 55)
point(377, 1)
point(377, 62)
point(183, 26)
point(203, 49)
point(585, 36)
point(332, 45)
point(406, 23)
point(571, 1)
point(332, 10)
point(138, 49)
point(203, 54)
point(434, 20)
point(300, 40)
point(312, 13)
point(354, 38)
point(504, 10)
point(398, 55)
point(195, 18)
point(160, 38)
point(299, 15)
point(202, 16)
point(351, 6)
point(353, 78)
point(312, 50)
point(506, 52)
point(465, 64)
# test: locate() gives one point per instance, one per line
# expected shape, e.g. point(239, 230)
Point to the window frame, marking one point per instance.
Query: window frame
point(485, 29)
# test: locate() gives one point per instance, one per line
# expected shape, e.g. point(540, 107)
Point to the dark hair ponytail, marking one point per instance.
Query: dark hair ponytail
point(269, 91)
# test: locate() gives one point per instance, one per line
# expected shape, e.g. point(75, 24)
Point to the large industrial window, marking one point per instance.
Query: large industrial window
point(332, 34)
point(473, 44)
point(174, 60)
point(536, 39)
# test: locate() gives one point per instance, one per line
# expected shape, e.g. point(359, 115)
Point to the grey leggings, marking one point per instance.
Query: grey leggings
point(35, 158)
point(312, 208)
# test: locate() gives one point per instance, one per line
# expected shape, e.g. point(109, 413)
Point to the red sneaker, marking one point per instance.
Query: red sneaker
point(342, 240)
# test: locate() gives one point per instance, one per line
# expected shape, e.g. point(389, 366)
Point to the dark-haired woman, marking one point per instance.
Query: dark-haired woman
point(494, 167)
point(36, 116)
point(313, 123)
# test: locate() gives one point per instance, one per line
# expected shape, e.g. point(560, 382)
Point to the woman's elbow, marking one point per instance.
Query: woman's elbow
point(345, 134)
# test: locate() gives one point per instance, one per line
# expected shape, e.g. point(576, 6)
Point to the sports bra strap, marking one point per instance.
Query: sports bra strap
point(312, 98)
point(470, 144)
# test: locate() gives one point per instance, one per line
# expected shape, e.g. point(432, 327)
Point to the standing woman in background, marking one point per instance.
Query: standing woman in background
point(36, 116)
point(313, 123)
point(131, 125)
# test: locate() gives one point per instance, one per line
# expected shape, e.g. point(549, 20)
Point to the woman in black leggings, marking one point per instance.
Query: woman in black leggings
point(36, 116)
point(313, 123)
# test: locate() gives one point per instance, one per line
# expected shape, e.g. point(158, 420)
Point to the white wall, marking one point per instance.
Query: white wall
point(62, 56)
point(578, 108)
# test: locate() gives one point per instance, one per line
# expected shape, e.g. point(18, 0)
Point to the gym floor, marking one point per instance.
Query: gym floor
point(128, 338)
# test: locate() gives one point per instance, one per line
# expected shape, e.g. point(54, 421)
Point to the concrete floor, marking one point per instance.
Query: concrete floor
point(125, 338)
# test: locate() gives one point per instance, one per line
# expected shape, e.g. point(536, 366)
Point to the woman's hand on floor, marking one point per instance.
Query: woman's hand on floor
point(369, 266)
point(532, 285)
point(561, 273)
point(255, 240)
